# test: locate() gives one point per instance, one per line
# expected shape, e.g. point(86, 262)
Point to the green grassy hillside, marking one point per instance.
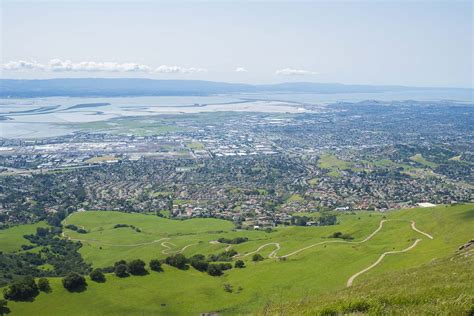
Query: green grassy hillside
point(441, 287)
point(11, 239)
point(315, 264)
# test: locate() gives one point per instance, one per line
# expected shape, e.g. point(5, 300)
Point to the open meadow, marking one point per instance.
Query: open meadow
point(298, 261)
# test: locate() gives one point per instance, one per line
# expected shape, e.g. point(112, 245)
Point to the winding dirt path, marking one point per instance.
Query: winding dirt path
point(273, 254)
point(169, 250)
point(163, 243)
point(117, 245)
point(352, 278)
point(419, 231)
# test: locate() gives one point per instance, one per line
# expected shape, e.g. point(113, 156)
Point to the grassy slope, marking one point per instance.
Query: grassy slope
point(312, 273)
point(441, 287)
point(11, 239)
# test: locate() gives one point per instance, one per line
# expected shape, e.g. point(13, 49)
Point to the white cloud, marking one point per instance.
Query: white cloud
point(59, 65)
point(241, 69)
point(22, 65)
point(294, 72)
point(176, 69)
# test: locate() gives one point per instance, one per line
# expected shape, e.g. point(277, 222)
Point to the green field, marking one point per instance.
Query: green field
point(315, 264)
point(421, 160)
point(333, 164)
point(11, 239)
point(131, 125)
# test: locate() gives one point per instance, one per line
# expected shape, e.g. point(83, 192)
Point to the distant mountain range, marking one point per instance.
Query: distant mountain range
point(96, 87)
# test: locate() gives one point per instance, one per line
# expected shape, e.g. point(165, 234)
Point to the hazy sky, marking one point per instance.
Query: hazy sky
point(422, 43)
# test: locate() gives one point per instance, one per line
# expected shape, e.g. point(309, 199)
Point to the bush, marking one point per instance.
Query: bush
point(155, 265)
point(109, 269)
point(328, 312)
point(97, 275)
point(72, 227)
point(120, 262)
point(121, 270)
point(41, 231)
point(120, 225)
point(225, 266)
point(347, 237)
point(257, 257)
point(23, 290)
point(74, 282)
point(228, 288)
point(341, 235)
point(214, 270)
point(199, 262)
point(223, 256)
point(137, 267)
point(27, 247)
point(357, 307)
point(178, 261)
point(4, 308)
point(239, 264)
point(236, 240)
point(43, 285)
point(81, 231)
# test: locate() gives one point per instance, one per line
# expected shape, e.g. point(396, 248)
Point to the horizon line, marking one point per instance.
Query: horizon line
point(247, 84)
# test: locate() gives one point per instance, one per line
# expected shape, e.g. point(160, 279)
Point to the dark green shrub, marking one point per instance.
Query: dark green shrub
point(4, 307)
point(74, 282)
point(214, 270)
point(239, 264)
point(178, 261)
point(357, 307)
point(22, 290)
point(97, 275)
point(199, 263)
point(121, 270)
point(155, 265)
point(43, 285)
point(137, 267)
point(328, 312)
point(257, 257)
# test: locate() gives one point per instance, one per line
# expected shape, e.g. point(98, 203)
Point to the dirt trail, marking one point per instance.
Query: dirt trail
point(273, 254)
point(417, 230)
point(117, 245)
point(169, 250)
point(352, 278)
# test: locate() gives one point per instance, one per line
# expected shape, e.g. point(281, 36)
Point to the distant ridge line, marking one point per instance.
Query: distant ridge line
point(116, 87)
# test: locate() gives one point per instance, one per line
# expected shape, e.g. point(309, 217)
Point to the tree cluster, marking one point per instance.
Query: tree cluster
point(236, 240)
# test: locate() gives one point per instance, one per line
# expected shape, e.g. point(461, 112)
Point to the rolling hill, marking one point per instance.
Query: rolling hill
point(304, 271)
